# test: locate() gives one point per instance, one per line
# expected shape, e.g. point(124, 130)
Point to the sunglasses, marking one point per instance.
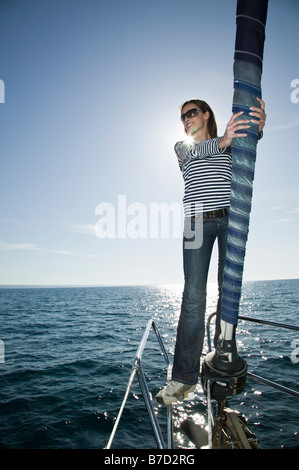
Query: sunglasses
point(190, 114)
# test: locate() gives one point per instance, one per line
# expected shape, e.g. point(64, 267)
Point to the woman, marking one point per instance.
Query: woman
point(206, 167)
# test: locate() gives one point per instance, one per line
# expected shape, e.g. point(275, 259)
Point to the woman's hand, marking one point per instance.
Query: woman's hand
point(260, 114)
point(236, 125)
point(231, 128)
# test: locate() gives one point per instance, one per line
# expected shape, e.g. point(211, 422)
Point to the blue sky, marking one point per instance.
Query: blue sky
point(92, 91)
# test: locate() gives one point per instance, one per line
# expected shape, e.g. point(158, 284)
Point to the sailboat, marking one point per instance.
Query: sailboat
point(224, 373)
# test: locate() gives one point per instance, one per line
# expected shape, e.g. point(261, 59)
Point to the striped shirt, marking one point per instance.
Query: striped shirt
point(207, 174)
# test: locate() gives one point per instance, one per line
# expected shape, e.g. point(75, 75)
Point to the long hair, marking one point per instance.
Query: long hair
point(212, 126)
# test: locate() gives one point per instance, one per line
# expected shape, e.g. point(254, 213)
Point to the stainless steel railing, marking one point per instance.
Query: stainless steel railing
point(138, 370)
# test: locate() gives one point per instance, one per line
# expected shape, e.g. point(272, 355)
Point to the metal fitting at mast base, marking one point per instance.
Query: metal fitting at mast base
point(224, 370)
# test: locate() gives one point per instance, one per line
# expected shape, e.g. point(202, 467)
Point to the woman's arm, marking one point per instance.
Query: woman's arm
point(203, 148)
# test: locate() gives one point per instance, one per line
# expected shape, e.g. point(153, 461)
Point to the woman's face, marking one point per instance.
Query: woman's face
point(194, 122)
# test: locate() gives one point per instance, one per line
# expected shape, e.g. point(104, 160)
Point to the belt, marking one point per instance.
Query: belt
point(216, 213)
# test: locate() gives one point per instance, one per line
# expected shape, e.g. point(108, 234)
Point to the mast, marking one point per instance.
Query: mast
point(225, 363)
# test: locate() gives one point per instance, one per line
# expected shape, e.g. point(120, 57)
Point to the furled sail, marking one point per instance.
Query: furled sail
point(248, 64)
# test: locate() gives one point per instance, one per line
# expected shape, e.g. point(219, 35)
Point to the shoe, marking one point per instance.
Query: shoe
point(174, 392)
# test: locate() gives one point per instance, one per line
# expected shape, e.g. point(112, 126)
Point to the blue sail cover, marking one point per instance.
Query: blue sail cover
point(248, 63)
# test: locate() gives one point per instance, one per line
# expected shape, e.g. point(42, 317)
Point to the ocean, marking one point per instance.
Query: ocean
point(68, 355)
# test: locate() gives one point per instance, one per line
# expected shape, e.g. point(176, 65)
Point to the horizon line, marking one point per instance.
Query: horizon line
point(28, 286)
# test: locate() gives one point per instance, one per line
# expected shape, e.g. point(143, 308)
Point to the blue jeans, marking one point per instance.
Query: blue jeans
point(191, 326)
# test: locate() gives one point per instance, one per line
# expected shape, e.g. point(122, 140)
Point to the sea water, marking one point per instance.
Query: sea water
point(67, 355)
